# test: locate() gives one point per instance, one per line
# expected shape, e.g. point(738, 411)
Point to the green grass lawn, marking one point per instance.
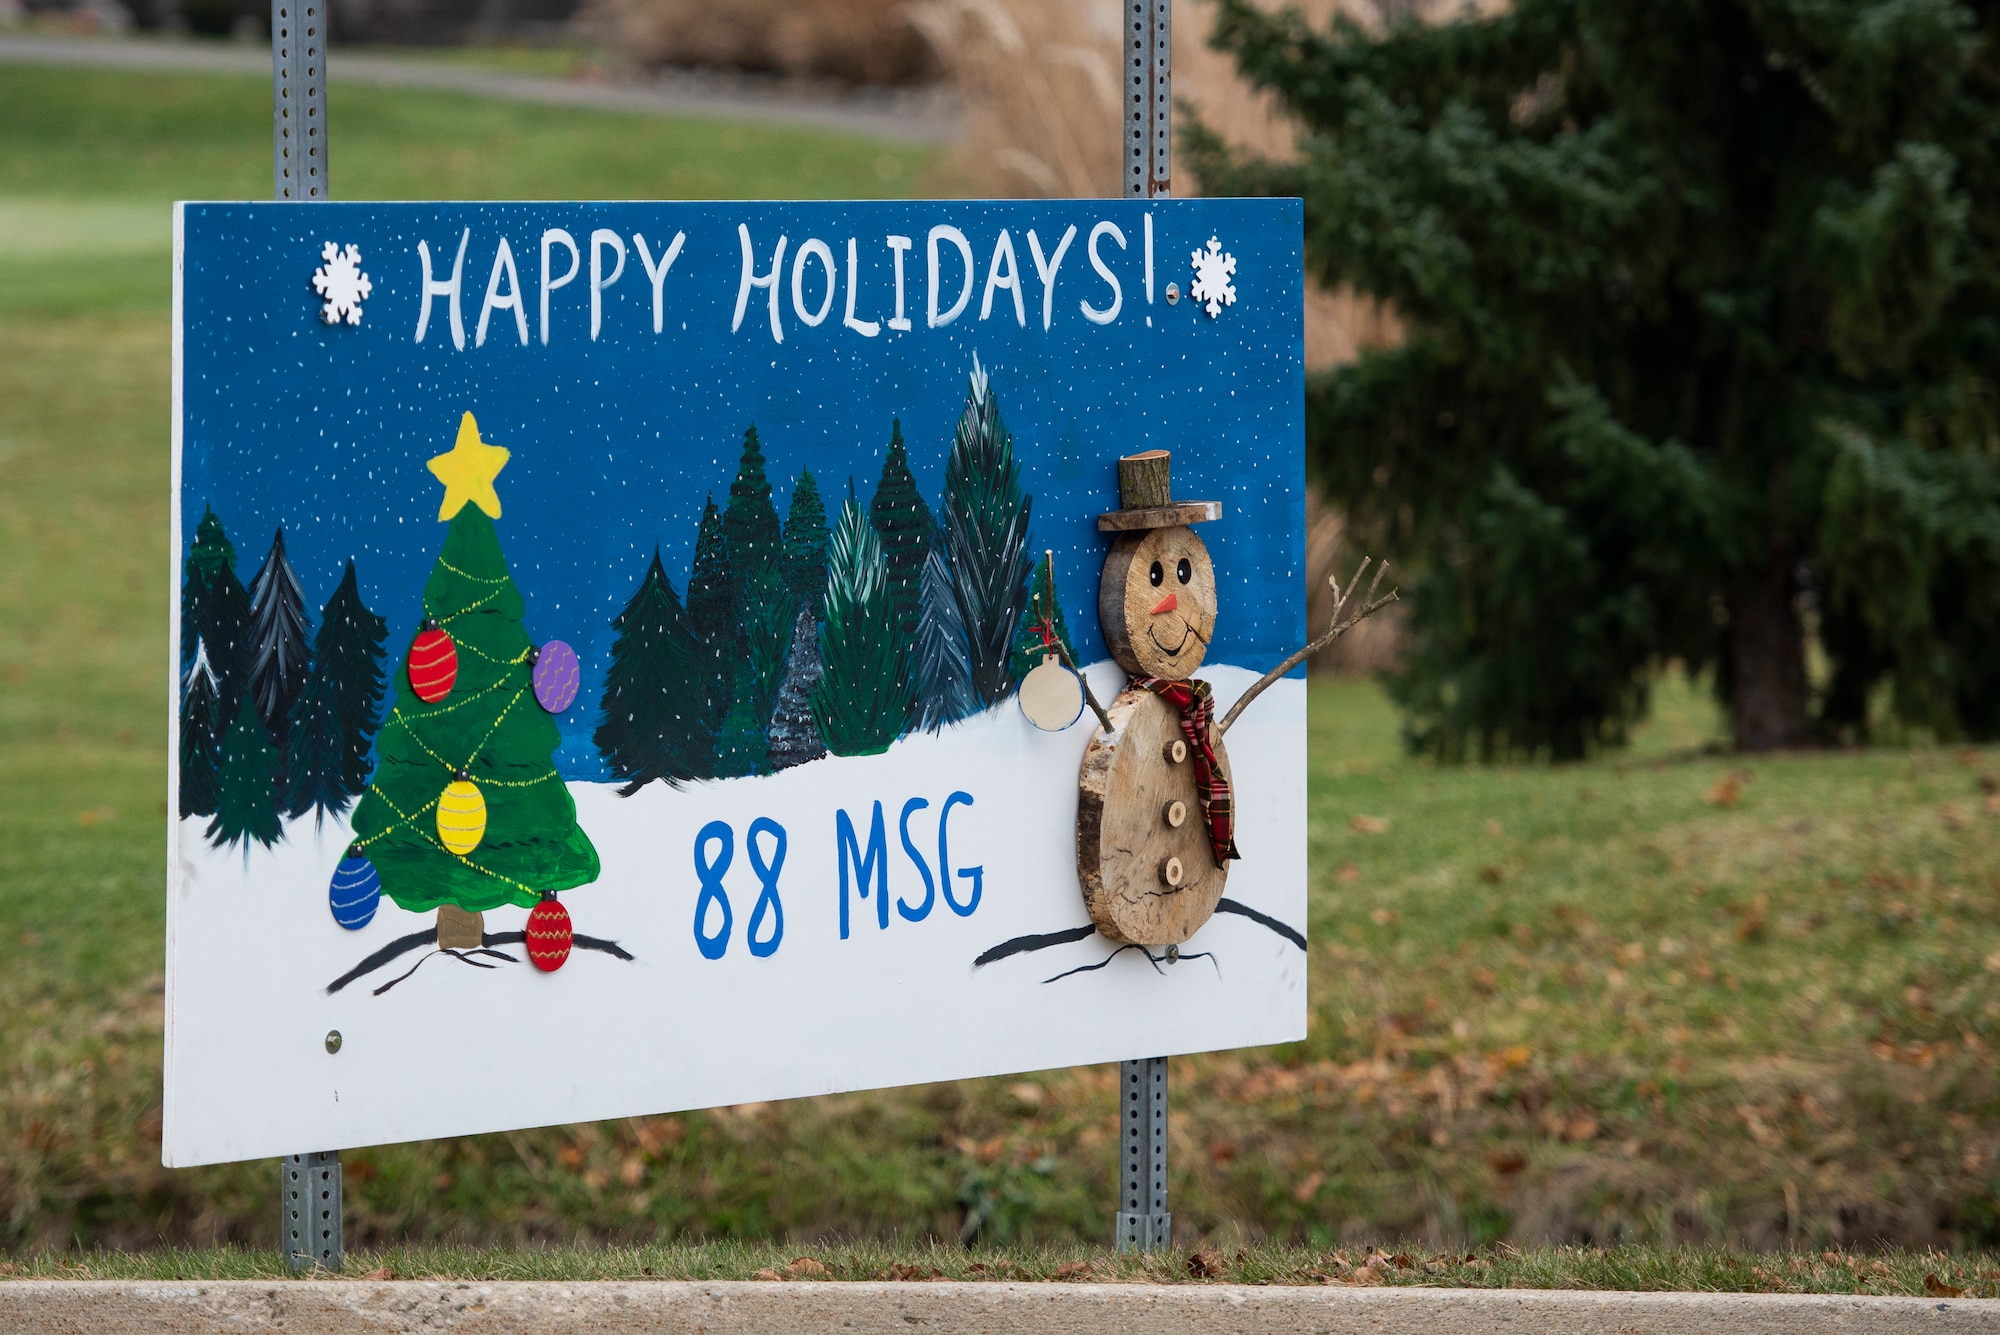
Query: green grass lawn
point(1666, 997)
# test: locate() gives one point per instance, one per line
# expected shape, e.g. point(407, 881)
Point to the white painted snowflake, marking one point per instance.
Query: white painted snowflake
point(1212, 271)
point(342, 283)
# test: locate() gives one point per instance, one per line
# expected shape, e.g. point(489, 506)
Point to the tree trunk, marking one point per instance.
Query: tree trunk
point(1767, 653)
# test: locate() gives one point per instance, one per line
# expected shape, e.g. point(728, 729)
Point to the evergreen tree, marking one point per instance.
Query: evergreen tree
point(741, 747)
point(986, 538)
point(200, 741)
point(489, 728)
point(764, 603)
point(246, 797)
point(277, 643)
point(863, 699)
point(215, 612)
point(904, 521)
point(793, 735)
point(348, 652)
point(805, 546)
point(711, 608)
point(313, 752)
point(1697, 305)
point(1044, 612)
point(943, 667)
point(653, 721)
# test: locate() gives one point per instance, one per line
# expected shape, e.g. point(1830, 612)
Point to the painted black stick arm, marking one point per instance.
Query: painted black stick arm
point(1343, 619)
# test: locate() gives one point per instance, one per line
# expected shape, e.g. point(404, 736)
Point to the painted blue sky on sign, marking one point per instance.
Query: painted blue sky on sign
point(617, 441)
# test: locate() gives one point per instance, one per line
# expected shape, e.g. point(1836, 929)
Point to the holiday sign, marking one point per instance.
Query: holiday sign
point(633, 657)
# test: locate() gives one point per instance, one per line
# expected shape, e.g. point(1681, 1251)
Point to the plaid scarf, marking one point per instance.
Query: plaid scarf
point(1192, 699)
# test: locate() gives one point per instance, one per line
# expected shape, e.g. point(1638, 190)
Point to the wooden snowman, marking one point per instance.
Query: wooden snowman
point(1154, 830)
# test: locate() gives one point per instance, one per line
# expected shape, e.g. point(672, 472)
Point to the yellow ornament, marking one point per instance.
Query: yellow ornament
point(461, 816)
point(467, 472)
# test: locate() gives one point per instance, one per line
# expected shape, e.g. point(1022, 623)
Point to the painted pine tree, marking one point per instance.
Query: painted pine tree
point(332, 725)
point(986, 538)
point(740, 748)
point(805, 547)
point(653, 722)
point(277, 643)
point(764, 603)
point(215, 611)
point(711, 609)
point(904, 523)
point(1043, 611)
point(794, 736)
point(246, 797)
point(312, 778)
point(943, 669)
point(200, 742)
point(863, 700)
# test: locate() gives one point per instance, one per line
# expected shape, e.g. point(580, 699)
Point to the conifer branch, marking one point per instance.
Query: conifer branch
point(1338, 624)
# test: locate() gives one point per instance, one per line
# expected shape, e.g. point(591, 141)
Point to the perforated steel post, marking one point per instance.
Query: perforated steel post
point(298, 100)
point(1149, 103)
point(309, 1213)
point(1143, 1221)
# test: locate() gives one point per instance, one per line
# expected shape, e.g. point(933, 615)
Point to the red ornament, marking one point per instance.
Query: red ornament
point(433, 663)
point(548, 934)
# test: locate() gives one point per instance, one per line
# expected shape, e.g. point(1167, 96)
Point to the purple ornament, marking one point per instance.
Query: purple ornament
point(556, 677)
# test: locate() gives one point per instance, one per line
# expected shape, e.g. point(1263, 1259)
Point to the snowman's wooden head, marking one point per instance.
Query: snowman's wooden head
point(1156, 598)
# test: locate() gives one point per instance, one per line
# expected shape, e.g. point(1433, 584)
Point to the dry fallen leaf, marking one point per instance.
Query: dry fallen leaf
point(766, 1273)
point(1383, 917)
point(1348, 873)
point(380, 1272)
point(1073, 1270)
point(806, 1267)
point(1726, 791)
point(1492, 875)
point(1942, 1289)
point(1309, 1187)
point(1365, 1275)
point(1205, 1264)
point(1369, 824)
point(1506, 1161)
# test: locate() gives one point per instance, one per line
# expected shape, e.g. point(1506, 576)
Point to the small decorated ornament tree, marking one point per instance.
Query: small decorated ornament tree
point(466, 811)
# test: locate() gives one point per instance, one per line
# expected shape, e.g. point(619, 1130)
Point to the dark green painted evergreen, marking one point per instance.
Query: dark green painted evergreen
point(986, 539)
point(765, 606)
point(327, 751)
point(741, 748)
point(653, 720)
point(793, 735)
point(246, 800)
point(711, 610)
point(312, 754)
point(200, 739)
point(1043, 610)
point(905, 525)
point(942, 667)
point(1698, 335)
point(277, 652)
point(750, 523)
point(215, 611)
point(863, 698)
point(805, 545)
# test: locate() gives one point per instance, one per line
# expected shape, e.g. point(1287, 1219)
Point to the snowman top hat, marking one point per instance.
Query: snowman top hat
point(1146, 500)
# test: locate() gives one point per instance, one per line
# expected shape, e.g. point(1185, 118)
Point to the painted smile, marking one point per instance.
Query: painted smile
point(1187, 633)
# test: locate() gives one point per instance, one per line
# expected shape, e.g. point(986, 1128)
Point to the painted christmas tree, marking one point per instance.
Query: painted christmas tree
point(654, 721)
point(334, 721)
point(943, 665)
point(465, 810)
point(764, 603)
point(711, 607)
point(741, 747)
point(276, 652)
point(986, 539)
point(246, 798)
point(862, 702)
point(794, 736)
point(216, 612)
point(805, 547)
point(904, 521)
point(201, 742)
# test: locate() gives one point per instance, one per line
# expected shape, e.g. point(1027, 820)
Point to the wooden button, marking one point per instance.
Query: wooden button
point(1170, 871)
point(1176, 751)
point(1176, 814)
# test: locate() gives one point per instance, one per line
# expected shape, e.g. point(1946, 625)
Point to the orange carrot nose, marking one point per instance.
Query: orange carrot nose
point(1166, 604)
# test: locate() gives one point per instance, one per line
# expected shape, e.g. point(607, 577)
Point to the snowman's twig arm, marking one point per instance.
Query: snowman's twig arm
point(1338, 625)
point(1089, 697)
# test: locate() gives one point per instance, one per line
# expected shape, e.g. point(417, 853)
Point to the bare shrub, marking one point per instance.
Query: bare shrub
point(856, 41)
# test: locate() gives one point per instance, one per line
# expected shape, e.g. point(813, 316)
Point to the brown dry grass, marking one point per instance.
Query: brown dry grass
point(855, 41)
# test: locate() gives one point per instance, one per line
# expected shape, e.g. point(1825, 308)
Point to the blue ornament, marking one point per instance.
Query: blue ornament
point(355, 891)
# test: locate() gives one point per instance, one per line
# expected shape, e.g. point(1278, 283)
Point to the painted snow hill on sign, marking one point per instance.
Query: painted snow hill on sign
point(634, 672)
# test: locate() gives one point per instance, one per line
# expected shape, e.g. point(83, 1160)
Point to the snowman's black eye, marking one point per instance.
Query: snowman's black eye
point(1184, 570)
point(1156, 574)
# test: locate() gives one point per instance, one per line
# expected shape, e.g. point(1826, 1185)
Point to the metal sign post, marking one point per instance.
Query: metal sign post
point(308, 1184)
point(1144, 1222)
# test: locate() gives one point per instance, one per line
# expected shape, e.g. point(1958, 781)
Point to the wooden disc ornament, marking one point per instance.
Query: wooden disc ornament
point(1051, 695)
point(433, 663)
point(549, 934)
point(355, 892)
point(557, 675)
point(461, 815)
point(1149, 873)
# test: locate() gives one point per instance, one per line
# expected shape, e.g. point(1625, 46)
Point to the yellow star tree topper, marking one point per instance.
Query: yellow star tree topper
point(467, 471)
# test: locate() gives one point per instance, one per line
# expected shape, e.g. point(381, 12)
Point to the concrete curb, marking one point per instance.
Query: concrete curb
point(361, 1307)
point(908, 115)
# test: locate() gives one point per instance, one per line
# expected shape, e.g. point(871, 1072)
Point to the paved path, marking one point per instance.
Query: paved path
point(924, 116)
point(352, 1307)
